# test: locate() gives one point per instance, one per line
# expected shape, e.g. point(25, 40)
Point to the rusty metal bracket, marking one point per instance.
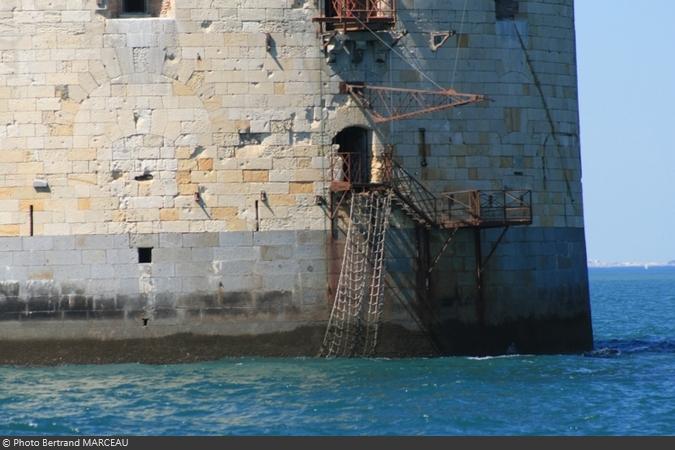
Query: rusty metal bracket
point(336, 205)
point(438, 38)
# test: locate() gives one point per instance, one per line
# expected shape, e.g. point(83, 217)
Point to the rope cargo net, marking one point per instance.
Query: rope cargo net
point(355, 318)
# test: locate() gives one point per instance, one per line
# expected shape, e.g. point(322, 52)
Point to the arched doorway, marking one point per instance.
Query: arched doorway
point(354, 151)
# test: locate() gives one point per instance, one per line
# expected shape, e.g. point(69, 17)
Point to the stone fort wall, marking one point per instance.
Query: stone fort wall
point(164, 132)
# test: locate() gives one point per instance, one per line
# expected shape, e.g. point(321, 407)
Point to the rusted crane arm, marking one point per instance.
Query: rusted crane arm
point(385, 104)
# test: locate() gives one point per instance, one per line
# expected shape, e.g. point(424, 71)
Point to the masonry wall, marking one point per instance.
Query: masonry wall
point(205, 134)
point(534, 287)
point(199, 279)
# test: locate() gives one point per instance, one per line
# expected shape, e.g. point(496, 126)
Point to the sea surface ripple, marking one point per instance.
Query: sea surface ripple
point(625, 386)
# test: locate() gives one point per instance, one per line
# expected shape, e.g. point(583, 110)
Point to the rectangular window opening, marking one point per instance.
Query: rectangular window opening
point(144, 255)
point(506, 9)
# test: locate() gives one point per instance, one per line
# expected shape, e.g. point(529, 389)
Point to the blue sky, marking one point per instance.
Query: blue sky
point(626, 64)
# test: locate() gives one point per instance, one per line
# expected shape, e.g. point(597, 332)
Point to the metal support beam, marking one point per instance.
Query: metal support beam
point(480, 268)
point(423, 261)
point(480, 301)
point(443, 248)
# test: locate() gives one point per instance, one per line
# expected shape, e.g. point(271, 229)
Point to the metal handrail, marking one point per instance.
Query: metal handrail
point(471, 208)
point(348, 167)
point(462, 207)
point(368, 9)
point(359, 15)
point(414, 193)
point(476, 208)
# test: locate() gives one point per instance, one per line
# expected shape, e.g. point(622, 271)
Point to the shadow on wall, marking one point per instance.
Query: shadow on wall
point(135, 8)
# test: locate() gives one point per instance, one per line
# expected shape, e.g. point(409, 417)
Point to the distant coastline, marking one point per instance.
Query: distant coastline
point(597, 264)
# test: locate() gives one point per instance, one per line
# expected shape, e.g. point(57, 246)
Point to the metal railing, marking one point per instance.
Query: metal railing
point(355, 15)
point(364, 9)
point(487, 208)
point(348, 169)
point(461, 207)
point(471, 208)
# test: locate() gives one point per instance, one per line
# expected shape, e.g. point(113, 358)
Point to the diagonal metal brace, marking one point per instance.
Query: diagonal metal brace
point(440, 253)
point(494, 248)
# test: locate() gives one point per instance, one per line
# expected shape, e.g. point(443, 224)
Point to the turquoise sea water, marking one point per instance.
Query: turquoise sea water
point(626, 386)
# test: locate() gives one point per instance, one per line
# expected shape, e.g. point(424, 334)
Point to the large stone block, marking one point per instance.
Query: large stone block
point(32, 258)
point(143, 240)
point(201, 240)
point(122, 256)
point(94, 242)
point(274, 238)
point(66, 257)
point(170, 240)
point(236, 239)
point(10, 244)
point(38, 243)
point(236, 254)
point(193, 269)
point(233, 267)
point(276, 252)
point(172, 254)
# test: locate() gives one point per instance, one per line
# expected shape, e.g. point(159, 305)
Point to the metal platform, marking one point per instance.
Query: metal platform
point(449, 210)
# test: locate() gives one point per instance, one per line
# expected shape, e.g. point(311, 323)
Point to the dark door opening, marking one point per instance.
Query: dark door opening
point(135, 7)
point(506, 9)
point(354, 151)
point(329, 9)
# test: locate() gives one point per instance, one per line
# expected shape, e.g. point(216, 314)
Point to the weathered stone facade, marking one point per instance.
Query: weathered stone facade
point(204, 134)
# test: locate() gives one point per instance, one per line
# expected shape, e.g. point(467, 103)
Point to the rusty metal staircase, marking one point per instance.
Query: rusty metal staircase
point(352, 328)
point(463, 209)
point(413, 198)
point(355, 317)
point(448, 210)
